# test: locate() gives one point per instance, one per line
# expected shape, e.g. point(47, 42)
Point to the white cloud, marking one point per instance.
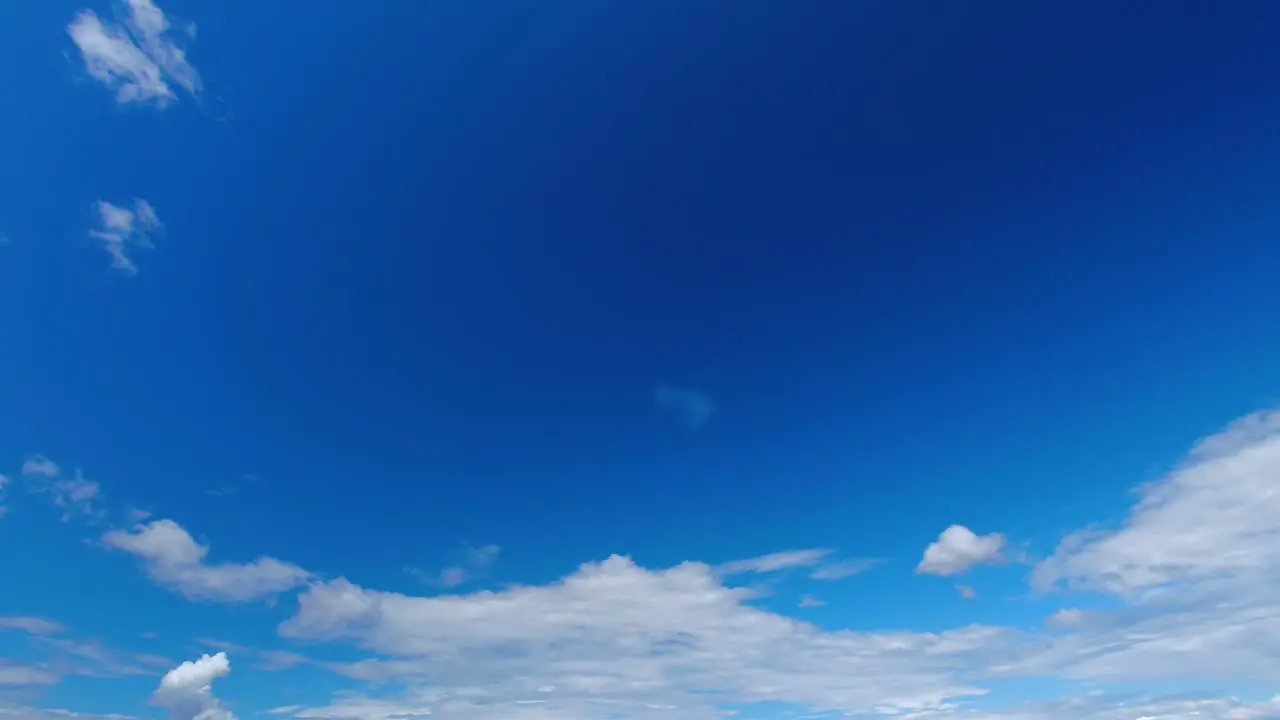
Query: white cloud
point(815, 558)
point(137, 57)
point(809, 601)
point(10, 711)
point(692, 408)
point(617, 640)
point(174, 559)
point(39, 466)
point(1108, 706)
point(187, 690)
point(123, 230)
point(29, 624)
point(774, 562)
point(966, 592)
point(957, 549)
point(614, 632)
point(1214, 520)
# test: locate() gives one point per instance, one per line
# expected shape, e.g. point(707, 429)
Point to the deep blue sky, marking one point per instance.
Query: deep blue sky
point(422, 266)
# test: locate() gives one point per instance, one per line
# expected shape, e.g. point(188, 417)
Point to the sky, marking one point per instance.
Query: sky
point(656, 360)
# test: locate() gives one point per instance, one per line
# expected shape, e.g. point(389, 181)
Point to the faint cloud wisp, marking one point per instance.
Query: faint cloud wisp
point(122, 230)
point(690, 407)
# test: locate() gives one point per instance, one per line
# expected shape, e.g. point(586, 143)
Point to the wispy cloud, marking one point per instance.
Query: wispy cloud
point(958, 549)
point(123, 230)
point(843, 568)
point(809, 601)
point(40, 466)
point(31, 624)
point(688, 406)
point(138, 57)
point(20, 674)
point(75, 496)
point(475, 562)
point(774, 562)
point(175, 560)
point(823, 568)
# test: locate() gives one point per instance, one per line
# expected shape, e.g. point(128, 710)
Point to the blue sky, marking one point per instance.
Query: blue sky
point(661, 359)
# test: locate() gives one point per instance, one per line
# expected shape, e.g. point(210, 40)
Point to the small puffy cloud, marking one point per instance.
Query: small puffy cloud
point(966, 592)
point(688, 406)
point(30, 624)
point(39, 466)
point(957, 549)
point(809, 601)
point(122, 230)
point(187, 690)
point(175, 560)
point(137, 57)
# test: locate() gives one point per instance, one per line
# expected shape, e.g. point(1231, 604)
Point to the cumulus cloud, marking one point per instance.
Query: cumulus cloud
point(958, 549)
point(138, 57)
point(187, 690)
point(688, 406)
point(615, 632)
point(122, 230)
point(175, 560)
point(614, 639)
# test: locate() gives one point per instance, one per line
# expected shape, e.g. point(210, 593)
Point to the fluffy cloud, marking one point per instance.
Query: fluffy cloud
point(1211, 525)
point(628, 637)
point(137, 57)
point(174, 559)
point(187, 690)
point(690, 407)
point(122, 230)
point(614, 639)
point(957, 549)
